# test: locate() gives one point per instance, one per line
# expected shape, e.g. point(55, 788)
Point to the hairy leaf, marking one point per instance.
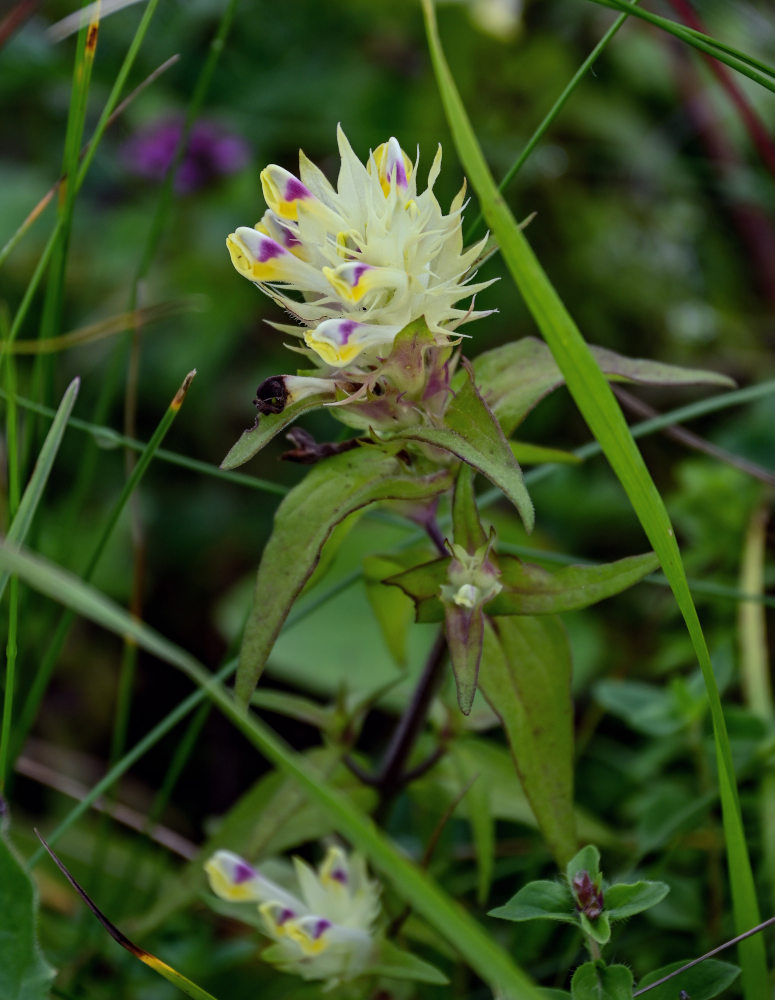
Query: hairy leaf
point(515, 377)
point(304, 520)
point(540, 900)
point(24, 973)
point(701, 982)
point(525, 675)
point(598, 981)
point(624, 900)
point(472, 434)
point(528, 589)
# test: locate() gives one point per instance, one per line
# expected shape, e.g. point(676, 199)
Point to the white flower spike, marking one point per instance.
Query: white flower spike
point(327, 931)
point(357, 263)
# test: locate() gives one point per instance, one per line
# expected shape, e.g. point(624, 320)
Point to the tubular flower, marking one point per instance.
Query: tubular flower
point(356, 263)
point(326, 932)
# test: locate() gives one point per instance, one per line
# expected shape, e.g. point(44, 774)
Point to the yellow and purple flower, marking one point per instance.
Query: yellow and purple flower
point(324, 932)
point(356, 263)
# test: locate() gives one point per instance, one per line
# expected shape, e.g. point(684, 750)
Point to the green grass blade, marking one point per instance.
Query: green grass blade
point(746, 65)
point(471, 941)
point(596, 401)
point(20, 525)
point(553, 112)
point(161, 968)
point(46, 666)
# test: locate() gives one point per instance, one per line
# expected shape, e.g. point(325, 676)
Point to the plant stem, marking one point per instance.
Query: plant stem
point(391, 777)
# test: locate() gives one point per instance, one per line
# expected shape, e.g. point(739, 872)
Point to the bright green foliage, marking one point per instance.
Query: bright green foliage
point(525, 676)
point(583, 898)
point(24, 973)
point(598, 981)
point(701, 982)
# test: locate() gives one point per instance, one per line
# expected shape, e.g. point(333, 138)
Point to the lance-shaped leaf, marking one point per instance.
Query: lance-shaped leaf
point(269, 425)
point(515, 377)
point(303, 522)
point(24, 973)
point(528, 589)
point(525, 675)
point(472, 434)
point(17, 532)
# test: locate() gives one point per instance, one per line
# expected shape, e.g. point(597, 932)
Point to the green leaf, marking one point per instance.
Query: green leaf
point(28, 504)
point(331, 491)
point(269, 425)
point(655, 711)
point(24, 973)
point(443, 912)
point(528, 589)
point(464, 631)
point(597, 404)
point(477, 802)
point(540, 900)
point(515, 377)
point(472, 434)
point(392, 609)
point(399, 964)
point(624, 900)
point(701, 982)
point(598, 929)
point(598, 981)
point(525, 675)
point(467, 528)
point(586, 860)
point(536, 454)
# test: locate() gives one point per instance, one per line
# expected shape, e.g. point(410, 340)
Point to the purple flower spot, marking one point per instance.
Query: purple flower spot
point(295, 190)
point(358, 271)
point(285, 914)
point(243, 873)
point(399, 174)
point(290, 239)
point(339, 875)
point(346, 328)
point(269, 250)
point(320, 927)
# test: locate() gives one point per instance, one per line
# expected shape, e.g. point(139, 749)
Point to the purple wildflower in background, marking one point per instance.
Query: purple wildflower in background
point(211, 153)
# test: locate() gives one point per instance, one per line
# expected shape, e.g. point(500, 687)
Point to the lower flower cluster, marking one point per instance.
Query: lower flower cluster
point(327, 931)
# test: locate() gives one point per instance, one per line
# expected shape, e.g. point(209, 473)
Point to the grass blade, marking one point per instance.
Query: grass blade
point(164, 970)
point(596, 401)
point(20, 525)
